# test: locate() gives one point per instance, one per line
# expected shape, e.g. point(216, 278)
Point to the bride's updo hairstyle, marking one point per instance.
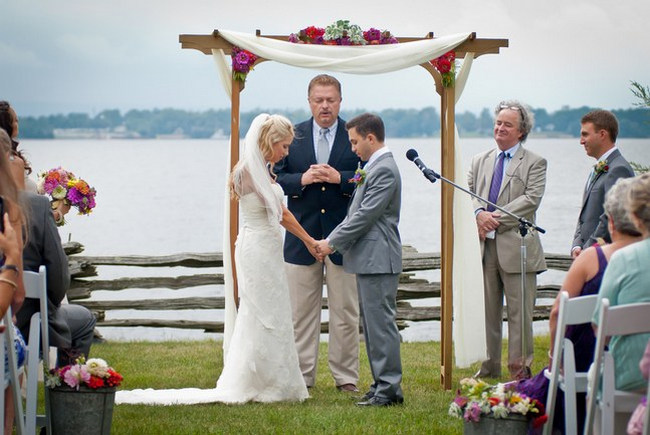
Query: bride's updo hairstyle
point(274, 129)
point(638, 202)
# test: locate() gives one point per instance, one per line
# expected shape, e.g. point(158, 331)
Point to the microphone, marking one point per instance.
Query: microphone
point(429, 174)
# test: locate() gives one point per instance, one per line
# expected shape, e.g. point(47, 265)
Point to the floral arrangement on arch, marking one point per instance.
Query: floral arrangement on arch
point(94, 373)
point(446, 66)
point(342, 32)
point(63, 186)
point(242, 63)
point(475, 398)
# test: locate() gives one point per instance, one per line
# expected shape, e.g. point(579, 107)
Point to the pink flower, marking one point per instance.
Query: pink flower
point(76, 375)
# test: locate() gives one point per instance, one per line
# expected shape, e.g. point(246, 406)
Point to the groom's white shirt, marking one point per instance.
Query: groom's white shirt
point(380, 152)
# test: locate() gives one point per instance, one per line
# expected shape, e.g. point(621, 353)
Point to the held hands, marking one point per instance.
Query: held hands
point(60, 208)
point(319, 249)
point(312, 246)
point(321, 173)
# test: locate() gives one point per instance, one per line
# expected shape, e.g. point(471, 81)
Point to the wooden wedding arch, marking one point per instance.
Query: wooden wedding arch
point(214, 41)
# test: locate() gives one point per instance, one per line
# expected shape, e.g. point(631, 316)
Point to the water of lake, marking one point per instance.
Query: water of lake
point(159, 197)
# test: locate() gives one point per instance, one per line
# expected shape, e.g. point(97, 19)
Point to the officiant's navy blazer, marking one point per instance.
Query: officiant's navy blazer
point(319, 207)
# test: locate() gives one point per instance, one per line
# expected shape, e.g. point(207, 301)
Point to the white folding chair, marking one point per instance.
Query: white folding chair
point(38, 348)
point(646, 418)
point(14, 374)
point(563, 375)
point(615, 321)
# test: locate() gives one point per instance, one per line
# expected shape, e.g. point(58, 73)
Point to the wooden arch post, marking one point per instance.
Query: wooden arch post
point(207, 43)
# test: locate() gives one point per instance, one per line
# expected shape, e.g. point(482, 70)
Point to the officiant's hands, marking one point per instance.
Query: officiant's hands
point(321, 173)
point(487, 221)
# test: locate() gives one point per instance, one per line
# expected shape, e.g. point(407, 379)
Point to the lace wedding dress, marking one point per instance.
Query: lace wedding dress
point(262, 362)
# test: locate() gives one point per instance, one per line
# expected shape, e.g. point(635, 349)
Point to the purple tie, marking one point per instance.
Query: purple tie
point(496, 181)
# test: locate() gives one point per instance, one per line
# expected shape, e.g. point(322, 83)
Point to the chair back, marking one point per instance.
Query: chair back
point(572, 311)
point(613, 321)
point(38, 348)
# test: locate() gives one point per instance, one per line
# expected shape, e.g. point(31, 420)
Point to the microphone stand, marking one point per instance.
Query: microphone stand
point(524, 226)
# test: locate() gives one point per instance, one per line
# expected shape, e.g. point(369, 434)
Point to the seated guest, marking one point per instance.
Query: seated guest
point(12, 290)
point(9, 123)
point(626, 281)
point(71, 325)
point(635, 425)
point(584, 278)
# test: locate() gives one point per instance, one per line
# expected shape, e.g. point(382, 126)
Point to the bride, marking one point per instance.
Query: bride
point(261, 364)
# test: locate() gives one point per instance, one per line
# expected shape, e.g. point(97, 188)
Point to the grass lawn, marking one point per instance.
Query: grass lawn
point(328, 411)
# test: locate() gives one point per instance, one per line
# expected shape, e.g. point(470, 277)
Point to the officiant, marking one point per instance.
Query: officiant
point(513, 178)
point(315, 177)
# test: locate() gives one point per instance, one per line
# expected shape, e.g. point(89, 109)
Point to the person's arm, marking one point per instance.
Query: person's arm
point(293, 226)
point(12, 290)
point(377, 196)
point(601, 229)
point(573, 283)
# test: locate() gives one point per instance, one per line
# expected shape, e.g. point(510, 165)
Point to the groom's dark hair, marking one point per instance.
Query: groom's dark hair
point(367, 123)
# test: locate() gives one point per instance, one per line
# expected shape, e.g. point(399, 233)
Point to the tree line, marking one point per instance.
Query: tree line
point(403, 123)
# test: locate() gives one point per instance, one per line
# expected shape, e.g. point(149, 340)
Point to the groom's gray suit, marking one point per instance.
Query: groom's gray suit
point(592, 222)
point(370, 243)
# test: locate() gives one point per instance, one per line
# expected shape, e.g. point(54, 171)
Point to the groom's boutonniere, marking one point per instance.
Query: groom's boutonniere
point(359, 176)
point(601, 167)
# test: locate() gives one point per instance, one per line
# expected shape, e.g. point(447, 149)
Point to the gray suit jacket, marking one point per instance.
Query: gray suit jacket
point(44, 248)
point(592, 221)
point(521, 193)
point(368, 237)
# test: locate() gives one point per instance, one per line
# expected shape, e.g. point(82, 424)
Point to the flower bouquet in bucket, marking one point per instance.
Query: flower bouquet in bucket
point(498, 406)
point(65, 190)
point(82, 396)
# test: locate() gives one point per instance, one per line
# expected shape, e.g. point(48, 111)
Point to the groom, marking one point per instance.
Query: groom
point(370, 243)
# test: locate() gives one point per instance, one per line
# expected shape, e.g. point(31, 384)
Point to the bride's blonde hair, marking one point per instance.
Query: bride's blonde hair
point(274, 129)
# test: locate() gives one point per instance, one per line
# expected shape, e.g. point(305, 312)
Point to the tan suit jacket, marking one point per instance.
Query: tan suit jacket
point(521, 193)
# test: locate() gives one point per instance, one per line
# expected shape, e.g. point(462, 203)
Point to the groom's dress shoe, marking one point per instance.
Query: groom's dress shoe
point(369, 395)
point(381, 401)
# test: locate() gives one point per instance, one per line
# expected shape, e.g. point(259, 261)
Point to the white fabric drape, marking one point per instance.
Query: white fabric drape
point(468, 306)
point(367, 59)
point(469, 326)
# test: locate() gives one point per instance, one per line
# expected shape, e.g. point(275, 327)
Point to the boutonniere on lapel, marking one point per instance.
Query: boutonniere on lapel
point(359, 176)
point(601, 167)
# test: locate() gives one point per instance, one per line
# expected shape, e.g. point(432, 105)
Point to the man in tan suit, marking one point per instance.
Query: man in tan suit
point(514, 178)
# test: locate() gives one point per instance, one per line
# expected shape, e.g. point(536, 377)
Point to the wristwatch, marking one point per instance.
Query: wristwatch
point(332, 247)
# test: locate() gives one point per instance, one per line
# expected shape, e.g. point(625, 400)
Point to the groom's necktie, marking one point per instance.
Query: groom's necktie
point(323, 146)
point(497, 177)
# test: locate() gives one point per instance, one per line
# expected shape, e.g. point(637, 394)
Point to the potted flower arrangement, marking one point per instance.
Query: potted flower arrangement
point(495, 408)
point(82, 396)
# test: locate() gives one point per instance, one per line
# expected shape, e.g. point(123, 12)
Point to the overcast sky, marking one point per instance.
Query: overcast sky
point(87, 56)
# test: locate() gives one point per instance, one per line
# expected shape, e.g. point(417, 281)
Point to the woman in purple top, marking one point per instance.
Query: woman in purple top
point(584, 278)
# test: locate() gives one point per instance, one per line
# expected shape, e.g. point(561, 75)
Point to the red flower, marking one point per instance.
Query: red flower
point(493, 401)
point(444, 66)
point(450, 55)
point(114, 378)
point(539, 421)
point(95, 382)
point(314, 32)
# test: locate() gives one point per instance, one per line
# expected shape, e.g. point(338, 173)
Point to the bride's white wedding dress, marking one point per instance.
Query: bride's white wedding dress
point(262, 363)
